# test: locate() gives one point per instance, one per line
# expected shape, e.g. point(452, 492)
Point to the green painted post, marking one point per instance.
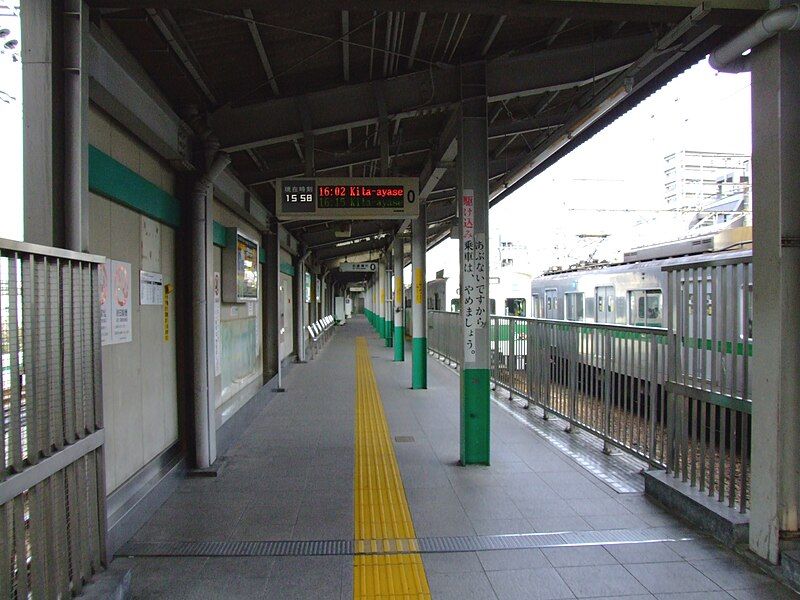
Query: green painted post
point(419, 314)
point(399, 339)
point(473, 194)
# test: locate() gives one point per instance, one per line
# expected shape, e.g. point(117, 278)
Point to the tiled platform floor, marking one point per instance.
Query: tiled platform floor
point(291, 477)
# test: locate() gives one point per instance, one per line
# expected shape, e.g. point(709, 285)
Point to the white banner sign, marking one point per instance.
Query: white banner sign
point(121, 309)
point(474, 285)
point(217, 325)
point(363, 267)
point(151, 288)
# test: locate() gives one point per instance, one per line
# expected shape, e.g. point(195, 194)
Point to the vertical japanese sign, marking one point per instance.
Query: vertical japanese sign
point(121, 317)
point(474, 282)
point(104, 273)
point(419, 285)
point(217, 325)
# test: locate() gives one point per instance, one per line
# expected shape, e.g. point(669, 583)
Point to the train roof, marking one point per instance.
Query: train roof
point(658, 264)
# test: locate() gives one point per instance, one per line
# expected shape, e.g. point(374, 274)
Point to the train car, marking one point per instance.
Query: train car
point(634, 294)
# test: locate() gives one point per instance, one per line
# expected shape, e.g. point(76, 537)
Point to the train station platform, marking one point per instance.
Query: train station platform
point(348, 485)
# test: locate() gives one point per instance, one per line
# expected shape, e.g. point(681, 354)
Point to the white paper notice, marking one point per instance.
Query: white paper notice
point(151, 288)
point(104, 273)
point(474, 287)
point(121, 317)
point(217, 325)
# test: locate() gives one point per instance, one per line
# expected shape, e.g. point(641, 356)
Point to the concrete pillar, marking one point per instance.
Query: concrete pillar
point(300, 310)
point(270, 303)
point(775, 450)
point(381, 297)
point(473, 198)
point(55, 101)
point(399, 337)
point(389, 305)
point(419, 302)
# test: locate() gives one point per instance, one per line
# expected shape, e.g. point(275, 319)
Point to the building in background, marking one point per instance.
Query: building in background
point(693, 178)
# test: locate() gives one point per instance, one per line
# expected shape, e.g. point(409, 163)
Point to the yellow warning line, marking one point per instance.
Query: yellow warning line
point(381, 508)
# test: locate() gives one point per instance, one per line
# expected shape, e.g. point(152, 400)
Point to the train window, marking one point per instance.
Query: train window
point(574, 306)
point(645, 308)
point(515, 307)
point(455, 305)
point(492, 306)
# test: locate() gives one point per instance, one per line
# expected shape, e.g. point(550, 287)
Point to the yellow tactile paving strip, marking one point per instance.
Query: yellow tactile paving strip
point(381, 508)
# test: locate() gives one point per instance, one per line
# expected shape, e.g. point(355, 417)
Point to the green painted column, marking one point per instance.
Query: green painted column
point(419, 313)
point(473, 196)
point(388, 323)
point(399, 339)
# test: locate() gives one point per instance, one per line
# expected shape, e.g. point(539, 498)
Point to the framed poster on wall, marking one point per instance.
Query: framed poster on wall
point(240, 268)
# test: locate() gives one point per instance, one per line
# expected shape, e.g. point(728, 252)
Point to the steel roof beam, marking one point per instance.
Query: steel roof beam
point(491, 33)
point(651, 11)
point(355, 105)
point(332, 161)
point(168, 27)
point(346, 45)
point(262, 53)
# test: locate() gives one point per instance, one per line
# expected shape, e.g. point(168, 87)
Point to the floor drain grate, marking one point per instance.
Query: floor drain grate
point(403, 438)
point(514, 541)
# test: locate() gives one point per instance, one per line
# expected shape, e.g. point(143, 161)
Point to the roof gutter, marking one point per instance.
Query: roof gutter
point(728, 57)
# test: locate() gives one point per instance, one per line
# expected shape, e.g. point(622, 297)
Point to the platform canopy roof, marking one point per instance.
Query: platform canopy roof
point(274, 75)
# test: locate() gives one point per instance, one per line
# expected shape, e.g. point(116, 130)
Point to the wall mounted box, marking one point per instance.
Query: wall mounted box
point(239, 268)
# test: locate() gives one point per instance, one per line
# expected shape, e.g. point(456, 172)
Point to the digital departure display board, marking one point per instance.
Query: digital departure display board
point(348, 198)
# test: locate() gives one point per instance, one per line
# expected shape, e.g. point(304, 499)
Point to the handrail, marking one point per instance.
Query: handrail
point(7, 246)
point(612, 326)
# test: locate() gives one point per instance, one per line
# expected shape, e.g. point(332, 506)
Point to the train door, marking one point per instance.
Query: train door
point(604, 303)
point(551, 304)
point(285, 320)
point(536, 306)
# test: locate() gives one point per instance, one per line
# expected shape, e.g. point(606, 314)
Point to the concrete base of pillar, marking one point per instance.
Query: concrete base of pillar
point(726, 524)
point(112, 584)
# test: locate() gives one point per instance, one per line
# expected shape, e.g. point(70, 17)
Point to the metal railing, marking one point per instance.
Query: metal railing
point(676, 397)
point(52, 487)
point(709, 405)
point(605, 379)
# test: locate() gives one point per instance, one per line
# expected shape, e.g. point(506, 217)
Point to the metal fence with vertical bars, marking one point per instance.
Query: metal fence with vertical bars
point(52, 488)
point(676, 397)
point(709, 319)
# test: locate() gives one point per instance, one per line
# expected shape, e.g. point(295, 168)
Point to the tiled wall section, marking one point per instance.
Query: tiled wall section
point(139, 377)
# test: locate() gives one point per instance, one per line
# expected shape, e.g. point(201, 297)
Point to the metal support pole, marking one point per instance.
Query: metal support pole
point(300, 309)
point(389, 306)
point(76, 127)
point(381, 298)
point(202, 320)
point(473, 196)
point(279, 304)
point(399, 337)
point(774, 498)
point(419, 292)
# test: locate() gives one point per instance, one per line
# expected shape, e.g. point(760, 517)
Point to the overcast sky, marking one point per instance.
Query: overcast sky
point(620, 169)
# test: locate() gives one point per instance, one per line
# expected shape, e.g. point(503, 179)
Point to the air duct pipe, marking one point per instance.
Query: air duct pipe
point(202, 288)
point(728, 57)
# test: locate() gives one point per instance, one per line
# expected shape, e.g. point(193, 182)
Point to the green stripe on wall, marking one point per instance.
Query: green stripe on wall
point(113, 180)
point(287, 269)
point(220, 235)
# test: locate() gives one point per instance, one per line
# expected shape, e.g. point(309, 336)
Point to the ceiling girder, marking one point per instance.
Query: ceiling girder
point(277, 120)
point(644, 11)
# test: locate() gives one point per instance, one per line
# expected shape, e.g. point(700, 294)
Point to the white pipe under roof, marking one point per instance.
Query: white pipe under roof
point(728, 57)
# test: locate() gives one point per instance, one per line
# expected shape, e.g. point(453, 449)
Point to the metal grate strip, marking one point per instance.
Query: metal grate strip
point(431, 545)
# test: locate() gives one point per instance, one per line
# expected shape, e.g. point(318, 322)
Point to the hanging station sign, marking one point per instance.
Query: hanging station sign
point(348, 198)
point(362, 267)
